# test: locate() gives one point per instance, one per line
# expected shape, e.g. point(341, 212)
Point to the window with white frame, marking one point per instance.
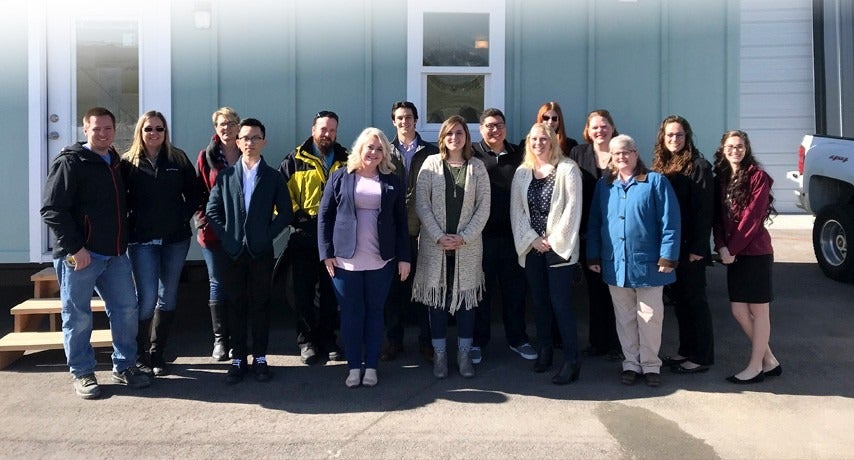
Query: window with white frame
point(455, 60)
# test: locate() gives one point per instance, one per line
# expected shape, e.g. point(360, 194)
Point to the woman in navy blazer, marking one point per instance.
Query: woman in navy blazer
point(362, 230)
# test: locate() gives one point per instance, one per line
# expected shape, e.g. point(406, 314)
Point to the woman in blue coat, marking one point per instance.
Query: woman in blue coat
point(633, 241)
point(362, 232)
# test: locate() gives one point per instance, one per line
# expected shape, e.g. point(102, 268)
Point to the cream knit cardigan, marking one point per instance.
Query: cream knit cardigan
point(429, 286)
point(564, 212)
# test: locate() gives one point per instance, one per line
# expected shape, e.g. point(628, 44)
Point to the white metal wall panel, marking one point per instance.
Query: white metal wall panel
point(777, 105)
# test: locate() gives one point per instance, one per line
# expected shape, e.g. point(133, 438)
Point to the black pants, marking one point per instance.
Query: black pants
point(502, 270)
point(401, 309)
point(247, 284)
point(316, 322)
point(602, 325)
point(696, 336)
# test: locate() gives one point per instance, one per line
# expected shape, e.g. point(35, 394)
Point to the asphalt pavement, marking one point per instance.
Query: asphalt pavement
point(506, 411)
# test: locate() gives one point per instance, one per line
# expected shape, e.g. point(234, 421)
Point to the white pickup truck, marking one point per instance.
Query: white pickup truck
point(825, 177)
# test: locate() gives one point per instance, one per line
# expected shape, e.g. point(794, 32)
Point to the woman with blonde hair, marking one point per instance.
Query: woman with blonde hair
point(452, 203)
point(545, 214)
point(161, 198)
point(362, 231)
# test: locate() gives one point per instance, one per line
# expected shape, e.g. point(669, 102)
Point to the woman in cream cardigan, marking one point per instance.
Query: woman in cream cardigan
point(545, 211)
point(452, 203)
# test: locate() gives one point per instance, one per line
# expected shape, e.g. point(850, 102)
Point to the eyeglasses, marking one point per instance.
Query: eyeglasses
point(496, 126)
point(326, 114)
point(251, 138)
point(149, 129)
point(737, 148)
point(624, 153)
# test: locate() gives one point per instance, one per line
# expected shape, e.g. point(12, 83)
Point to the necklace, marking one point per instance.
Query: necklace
point(458, 174)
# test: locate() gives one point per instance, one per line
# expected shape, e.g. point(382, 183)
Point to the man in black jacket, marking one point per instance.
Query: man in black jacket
point(500, 262)
point(248, 207)
point(84, 205)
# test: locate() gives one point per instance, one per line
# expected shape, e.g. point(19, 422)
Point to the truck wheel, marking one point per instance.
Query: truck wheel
point(834, 226)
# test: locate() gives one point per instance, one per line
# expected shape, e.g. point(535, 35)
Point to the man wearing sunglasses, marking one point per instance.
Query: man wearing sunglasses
point(306, 170)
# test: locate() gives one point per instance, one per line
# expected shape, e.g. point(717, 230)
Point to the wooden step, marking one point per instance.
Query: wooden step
point(44, 283)
point(30, 313)
point(32, 341)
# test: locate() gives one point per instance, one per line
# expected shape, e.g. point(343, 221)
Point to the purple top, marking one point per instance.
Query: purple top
point(367, 197)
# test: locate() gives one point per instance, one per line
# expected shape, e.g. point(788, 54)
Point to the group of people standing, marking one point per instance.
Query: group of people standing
point(395, 228)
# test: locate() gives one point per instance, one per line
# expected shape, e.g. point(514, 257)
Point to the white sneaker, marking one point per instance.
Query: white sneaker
point(354, 378)
point(370, 379)
point(526, 351)
point(476, 355)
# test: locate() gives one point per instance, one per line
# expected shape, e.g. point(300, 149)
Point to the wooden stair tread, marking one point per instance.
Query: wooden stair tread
point(18, 341)
point(45, 274)
point(48, 305)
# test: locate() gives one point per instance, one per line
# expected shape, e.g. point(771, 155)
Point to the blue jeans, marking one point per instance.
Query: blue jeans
point(216, 260)
point(551, 291)
point(361, 296)
point(111, 278)
point(157, 273)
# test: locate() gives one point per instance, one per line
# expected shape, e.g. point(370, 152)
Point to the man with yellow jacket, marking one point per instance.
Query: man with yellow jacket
point(306, 170)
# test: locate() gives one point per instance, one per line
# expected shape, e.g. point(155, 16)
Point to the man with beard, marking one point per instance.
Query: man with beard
point(306, 170)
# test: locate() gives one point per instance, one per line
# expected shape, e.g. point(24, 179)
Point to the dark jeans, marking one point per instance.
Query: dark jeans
point(602, 323)
point(247, 285)
point(551, 291)
point(501, 266)
point(696, 336)
point(465, 316)
point(399, 308)
point(316, 323)
point(361, 295)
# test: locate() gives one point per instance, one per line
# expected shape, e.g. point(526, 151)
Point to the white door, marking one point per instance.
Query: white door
point(93, 53)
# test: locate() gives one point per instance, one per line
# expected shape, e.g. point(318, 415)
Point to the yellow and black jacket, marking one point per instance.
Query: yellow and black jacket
point(305, 176)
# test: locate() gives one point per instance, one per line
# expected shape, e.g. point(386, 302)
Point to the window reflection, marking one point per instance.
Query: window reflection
point(454, 95)
point(108, 74)
point(456, 39)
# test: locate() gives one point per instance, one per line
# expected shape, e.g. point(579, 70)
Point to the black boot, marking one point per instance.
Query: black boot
point(568, 373)
point(143, 346)
point(544, 359)
point(161, 327)
point(220, 345)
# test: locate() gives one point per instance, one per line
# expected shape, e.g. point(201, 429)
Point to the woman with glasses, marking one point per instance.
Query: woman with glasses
point(220, 153)
point(743, 202)
point(161, 198)
point(363, 240)
point(545, 214)
point(452, 202)
point(677, 158)
point(594, 159)
point(633, 241)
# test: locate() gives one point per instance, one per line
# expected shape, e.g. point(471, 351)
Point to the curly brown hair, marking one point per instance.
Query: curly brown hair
point(736, 183)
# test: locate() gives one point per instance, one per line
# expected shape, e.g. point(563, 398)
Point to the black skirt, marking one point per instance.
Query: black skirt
point(749, 279)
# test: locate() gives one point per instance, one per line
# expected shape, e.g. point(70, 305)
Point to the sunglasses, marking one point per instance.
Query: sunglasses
point(548, 118)
point(149, 129)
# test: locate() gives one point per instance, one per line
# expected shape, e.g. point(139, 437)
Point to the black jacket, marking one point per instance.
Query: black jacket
point(501, 169)
point(161, 199)
point(253, 230)
point(423, 150)
point(695, 194)
point(85, 204)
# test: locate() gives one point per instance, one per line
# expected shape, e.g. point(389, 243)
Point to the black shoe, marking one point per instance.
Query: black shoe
point(776, 372)
point(131, 377)
point(568, 373)
point(334, 353)
point(308, 354)
point(544, 360)
point(236, 372)
point(733, 379)
point(261, 371)
point(669, 361)
point(652, 379)
point(628, 377)
point(158, 365)
point(680, 369)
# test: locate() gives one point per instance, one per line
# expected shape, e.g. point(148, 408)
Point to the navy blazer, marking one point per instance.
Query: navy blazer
point(253, 230)
point(336, 220)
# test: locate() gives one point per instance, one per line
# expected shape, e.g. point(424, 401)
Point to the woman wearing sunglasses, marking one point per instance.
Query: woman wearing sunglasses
point(551, 115)
point(161, 198)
